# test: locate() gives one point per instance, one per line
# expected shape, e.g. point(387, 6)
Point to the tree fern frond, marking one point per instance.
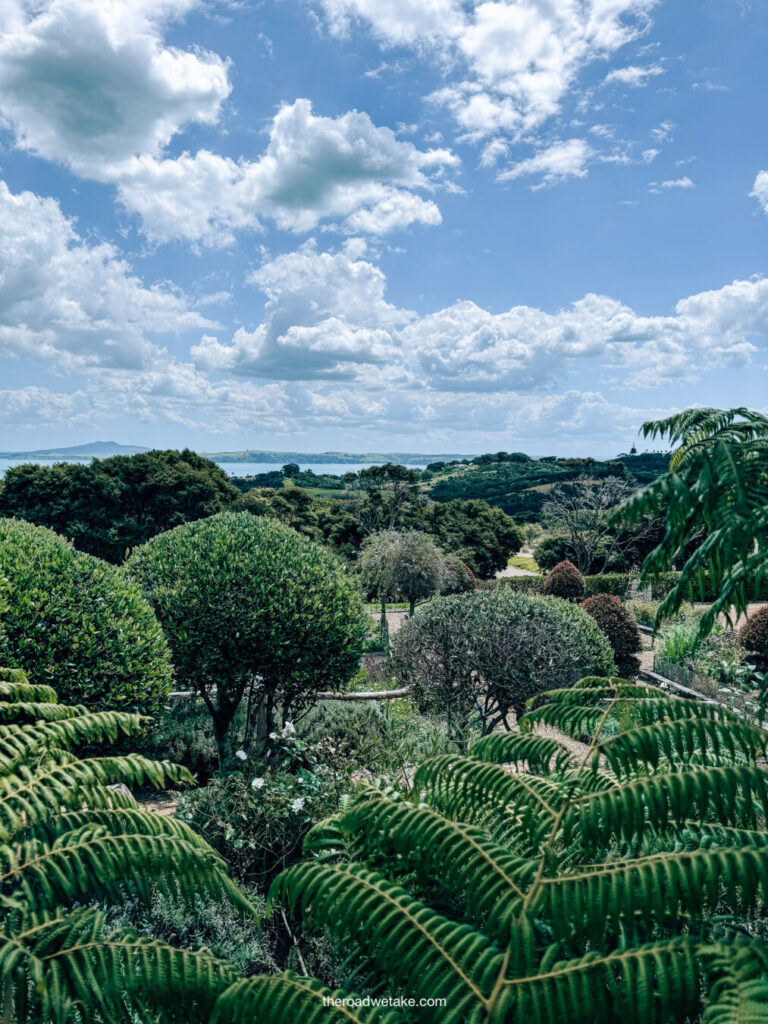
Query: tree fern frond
point(464, 788)
point(14, 687)
point(738, 984)
point(654, 982)
point(288, 999)
point(16, 742)
point(424, 952)
point(539, 754)
point(707, 740)
point(484, 876)
point(728, 795)
point(662, 888)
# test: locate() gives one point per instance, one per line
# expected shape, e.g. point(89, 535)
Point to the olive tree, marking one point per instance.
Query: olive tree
point(477, 657)
point(78, 624)
point(250, 606)
point(406, 565)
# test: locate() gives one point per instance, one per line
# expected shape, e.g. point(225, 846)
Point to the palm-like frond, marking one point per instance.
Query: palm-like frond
point(715, 493)
point(581, 883)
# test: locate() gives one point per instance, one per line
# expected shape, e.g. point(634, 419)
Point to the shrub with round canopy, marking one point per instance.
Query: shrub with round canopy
point(620, 626)
point(564, 581)
point(249, 605)
point(753, 637)
point(483, 655)
point(78, 624)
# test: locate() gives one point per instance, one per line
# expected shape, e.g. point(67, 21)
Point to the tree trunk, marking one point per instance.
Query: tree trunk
point(412, 608)
point(383, 626)
point(221, 724)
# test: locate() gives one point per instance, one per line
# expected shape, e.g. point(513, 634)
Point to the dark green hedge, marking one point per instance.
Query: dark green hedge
point(618, 582)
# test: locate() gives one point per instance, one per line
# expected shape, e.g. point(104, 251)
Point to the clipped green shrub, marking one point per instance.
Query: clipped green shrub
point(249, 605)
point(458, 578)
point(753, 637)
point(477, 657)
point(620, 626)
point(564, 581)
point(78, 624)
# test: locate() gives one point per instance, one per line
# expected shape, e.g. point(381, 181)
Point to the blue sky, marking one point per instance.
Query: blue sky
point(425, 225)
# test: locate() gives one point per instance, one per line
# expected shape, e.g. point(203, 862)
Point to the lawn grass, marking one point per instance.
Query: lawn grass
point(524, 562)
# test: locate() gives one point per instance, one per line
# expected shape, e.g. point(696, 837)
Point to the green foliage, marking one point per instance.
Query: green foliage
point(620, 626)
point(111, 505)
point(257, 822)
point(481, 656)
point(753, 637)
point(458, 578)
point(78, 624)
point(715, 492)
point(552, 550)
point(621, 879)
point(69, 843)
point(401, 565)
point(481, 536)
point(248, 604)
point(564, 581)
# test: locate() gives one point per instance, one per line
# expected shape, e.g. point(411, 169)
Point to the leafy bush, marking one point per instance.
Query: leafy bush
point(78, 624)
point(623, 881)
point(483, 655)
point(551, 551)
point(257, 819)
point(620, 626)
point(458, 578)
point(564, 581)
point(248, 605)
point(753, 637)
point(396, 564)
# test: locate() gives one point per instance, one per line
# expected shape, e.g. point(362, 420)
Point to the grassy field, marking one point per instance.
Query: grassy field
point(524, 562)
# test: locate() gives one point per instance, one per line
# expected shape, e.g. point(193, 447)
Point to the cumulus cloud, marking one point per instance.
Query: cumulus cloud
point(76, 304)
point(314, 169)
point(327, 319)
point(512, 62)
point(555, 163)
point(633, 76)
point(91, 83)
point(760, 190)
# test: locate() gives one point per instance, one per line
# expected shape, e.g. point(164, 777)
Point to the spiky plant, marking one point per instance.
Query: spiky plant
point(615, 869)
point(716, 492)
point(70, 846)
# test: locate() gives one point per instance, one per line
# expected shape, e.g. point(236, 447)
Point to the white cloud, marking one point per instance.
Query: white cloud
point(327, 319)
point(557, 162)
point(75, 304)
point(513, 62)
point(760, 190)
point(672, 183)
point(90, 83)
point(314, 169)
point(633, 76)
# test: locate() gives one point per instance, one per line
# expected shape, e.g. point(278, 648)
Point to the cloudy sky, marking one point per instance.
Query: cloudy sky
point(421, 225)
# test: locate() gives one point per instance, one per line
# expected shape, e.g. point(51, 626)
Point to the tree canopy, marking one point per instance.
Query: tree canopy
point(249, 605)
point(111, 505)
point(78, 624)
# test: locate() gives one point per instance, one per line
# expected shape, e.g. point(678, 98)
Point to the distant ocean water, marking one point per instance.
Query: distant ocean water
point(235, 468)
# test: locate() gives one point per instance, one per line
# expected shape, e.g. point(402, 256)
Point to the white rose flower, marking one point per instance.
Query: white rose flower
point(300, 780)
point(273, 735)
point(257, 783)
point(241, 754)
point(289, 729)
point(297, 805)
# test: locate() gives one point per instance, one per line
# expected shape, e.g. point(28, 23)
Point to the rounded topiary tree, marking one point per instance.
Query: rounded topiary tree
point(753, 637)
point(249, 605)
point(481, 656)
point(620, 626)
point(78, 624)
point(564, 580)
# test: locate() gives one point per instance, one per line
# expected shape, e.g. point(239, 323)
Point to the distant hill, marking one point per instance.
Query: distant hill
point(519, 484)
point(314, 458)
point(93, 449)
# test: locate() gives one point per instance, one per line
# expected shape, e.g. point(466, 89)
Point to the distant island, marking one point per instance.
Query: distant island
point(101, 449)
